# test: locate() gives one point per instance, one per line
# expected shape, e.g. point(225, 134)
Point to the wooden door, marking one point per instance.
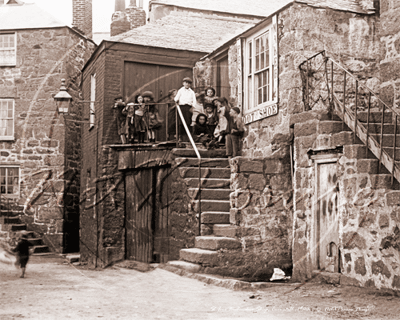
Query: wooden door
point(223, 86)
point(327, 217)
point(139, 215)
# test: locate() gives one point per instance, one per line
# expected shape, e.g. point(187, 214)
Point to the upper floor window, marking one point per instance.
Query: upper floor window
point(8, 49)
point(92, 100)
point(9, 181)
point(259, 70)
point(6, 119)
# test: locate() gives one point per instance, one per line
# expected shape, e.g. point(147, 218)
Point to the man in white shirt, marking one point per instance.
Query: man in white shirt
point(186, 99)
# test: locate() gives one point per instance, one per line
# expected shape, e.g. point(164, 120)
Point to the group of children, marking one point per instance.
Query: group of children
point(211, 119)
point(135, 119)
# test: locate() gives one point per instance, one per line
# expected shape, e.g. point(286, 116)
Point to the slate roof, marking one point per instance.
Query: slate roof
point(26, 16)
point(261, 7)
point(193, 32)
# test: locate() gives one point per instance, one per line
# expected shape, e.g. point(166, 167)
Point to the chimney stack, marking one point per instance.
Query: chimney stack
point(124, 20)
point(82, 16)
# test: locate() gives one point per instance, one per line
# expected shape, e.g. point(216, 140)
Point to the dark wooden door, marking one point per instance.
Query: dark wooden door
point(327, 217)
point(147, 210)
point(223, 86)
point(139, 215)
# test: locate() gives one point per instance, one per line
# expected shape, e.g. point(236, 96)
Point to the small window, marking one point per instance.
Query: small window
point(92, 101)
point(6, 119)
point(8, 49)
point(9, 181)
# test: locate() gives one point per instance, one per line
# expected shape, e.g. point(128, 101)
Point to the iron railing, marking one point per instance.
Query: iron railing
point(327, 82)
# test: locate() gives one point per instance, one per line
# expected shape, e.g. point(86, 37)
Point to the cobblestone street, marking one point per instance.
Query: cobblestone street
point(56, 290)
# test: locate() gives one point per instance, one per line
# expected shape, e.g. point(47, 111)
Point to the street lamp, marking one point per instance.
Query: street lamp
point(63, 99)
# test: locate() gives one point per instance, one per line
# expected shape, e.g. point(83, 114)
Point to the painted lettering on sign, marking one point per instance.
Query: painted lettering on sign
point(261, 114)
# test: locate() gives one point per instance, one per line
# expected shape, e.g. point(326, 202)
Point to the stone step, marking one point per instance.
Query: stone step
point(213, 173)
point(10, 213)
point(387, 128)
point(356, 151)
point(224, 230)
point(203, 257)
point(41, 249)
point(214, 205)
point(210, 194)
point(215, 217)
point(188, 266)
point(206, 162)
point(36, 241)
point(13, 227)
point(388, 139)
point(383, 181)
point(208, 183)
point(190, 153)
point(374, 117)
point(327, 127)
point(216, 243)
point(9, 220)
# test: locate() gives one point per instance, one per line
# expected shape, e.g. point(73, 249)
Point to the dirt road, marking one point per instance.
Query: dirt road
point(55, 290)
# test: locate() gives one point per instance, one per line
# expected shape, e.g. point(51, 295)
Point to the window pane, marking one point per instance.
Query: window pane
point(257, 46)
point(3, 180)
point(250, 91)
point(3, 189)
point(262, 60)
point(259, 100)
point(257, 63)
point(3, 172)
point(9, 128)
point(10, 190)
point(250, 57)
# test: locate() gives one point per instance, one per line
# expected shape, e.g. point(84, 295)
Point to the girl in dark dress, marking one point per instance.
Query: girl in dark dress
point(22, 253)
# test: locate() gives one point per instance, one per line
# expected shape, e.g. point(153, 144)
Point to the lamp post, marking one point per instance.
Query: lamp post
point(63, 99)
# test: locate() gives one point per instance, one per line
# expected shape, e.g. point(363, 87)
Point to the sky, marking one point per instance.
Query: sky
point(102, 11)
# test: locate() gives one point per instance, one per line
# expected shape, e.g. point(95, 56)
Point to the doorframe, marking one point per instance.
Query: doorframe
point(314, 248)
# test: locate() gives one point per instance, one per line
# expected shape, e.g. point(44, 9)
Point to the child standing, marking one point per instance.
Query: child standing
point(119, 106)
point(129, 111)
point(186, 99)
point(235, 132)
point(22, 251)
point(210, 95)
point(140, 119)
point(223, 115)
point(154, 122)
point(197, 108)
point(212, 118)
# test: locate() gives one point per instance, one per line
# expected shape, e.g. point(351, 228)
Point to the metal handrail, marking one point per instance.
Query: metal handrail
point(197, 154)
point(359, 129)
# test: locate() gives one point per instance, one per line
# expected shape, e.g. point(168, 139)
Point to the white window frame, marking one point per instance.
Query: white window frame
point(2, 50)
point(249, 78)
point(92, 108)
point(8, 137)
point(13, 195)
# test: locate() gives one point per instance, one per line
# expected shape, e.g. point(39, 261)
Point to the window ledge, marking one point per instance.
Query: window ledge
point(7, 139)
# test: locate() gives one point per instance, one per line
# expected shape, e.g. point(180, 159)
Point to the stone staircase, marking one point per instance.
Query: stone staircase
point(11, 226)
point(217, 234)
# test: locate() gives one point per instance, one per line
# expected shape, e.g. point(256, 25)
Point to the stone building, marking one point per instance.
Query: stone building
point(40, 150)
point(156, 57)
point(317, 85)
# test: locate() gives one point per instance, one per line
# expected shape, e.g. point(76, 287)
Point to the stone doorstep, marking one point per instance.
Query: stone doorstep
point(136, 265)
point(206, 154)
point(214, 173)
point(216, 243)
point(220, 281)
point(72, 257)
point(210, 194)
point(208, 183)
point(200, 256)
point(215, 217)
point(224, 230)
point(205, 162)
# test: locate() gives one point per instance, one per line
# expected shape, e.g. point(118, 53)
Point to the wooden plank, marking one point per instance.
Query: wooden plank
point(374, 146)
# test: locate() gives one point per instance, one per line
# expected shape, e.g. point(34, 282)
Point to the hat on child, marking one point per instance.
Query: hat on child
point(119, 97)
point(209, 105)
point(148, 94)
point(236, 109)
point(187, 79)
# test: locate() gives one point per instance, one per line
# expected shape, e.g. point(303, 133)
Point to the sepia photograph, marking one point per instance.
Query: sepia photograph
point(200, 159)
